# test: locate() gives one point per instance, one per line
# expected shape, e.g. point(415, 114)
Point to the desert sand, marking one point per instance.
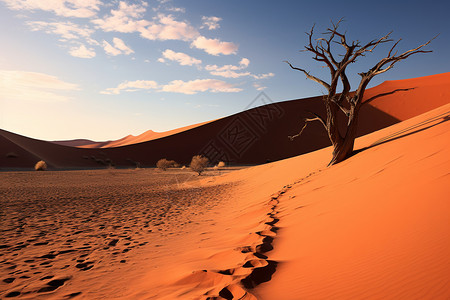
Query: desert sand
point(372, 227)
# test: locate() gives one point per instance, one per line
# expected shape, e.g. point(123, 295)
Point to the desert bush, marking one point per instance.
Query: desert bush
point(164, 164)
point(199, 163)
point(220, 165)
point(40, 166)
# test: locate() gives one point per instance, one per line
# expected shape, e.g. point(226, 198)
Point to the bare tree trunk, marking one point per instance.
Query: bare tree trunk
point(344, 149)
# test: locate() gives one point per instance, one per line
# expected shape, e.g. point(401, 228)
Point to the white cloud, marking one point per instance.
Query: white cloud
point(128, 18)
point(118, 48)
point(110, 50)
point(167, 28)
point(119, 44)
point(67, 30)
point(199, 85)
point(131, 86)
point(176, 9)
point(259, 87)
point(175, 86)
point(230, 74)
point(214, 46)
point(33, 86)
point(232, 71)
point(229, 71)
point(124, 19)
point(82, 52)
point(182, 58)
point(263, 76)
point(244, 62)
point(64, 8)
point(211, 22)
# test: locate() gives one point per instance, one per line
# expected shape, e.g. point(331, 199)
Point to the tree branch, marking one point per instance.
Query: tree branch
point(310, 76)
point(308, 120)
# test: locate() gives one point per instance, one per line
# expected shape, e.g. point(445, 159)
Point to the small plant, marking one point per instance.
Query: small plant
point(40, 166)
point(220, 165)
point(199, 164)
point(163, 164)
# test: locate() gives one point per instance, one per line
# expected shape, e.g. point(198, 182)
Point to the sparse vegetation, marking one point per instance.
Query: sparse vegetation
point(199, 164)
point(220, 165)
point(40, 166)
point(163, 164)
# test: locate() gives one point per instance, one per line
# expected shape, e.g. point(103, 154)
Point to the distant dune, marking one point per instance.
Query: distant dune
point(255, 136)
point(128, 140)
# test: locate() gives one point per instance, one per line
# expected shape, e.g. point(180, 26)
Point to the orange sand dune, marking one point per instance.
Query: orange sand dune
point(255, 136)
point(426, 93)
point(373, 227)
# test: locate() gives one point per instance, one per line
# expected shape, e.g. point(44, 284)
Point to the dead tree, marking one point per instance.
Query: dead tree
point(346, 101)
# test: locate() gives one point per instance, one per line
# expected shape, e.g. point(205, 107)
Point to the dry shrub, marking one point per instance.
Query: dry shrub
point(40, 166)
point(164, 164)
point(199, 163)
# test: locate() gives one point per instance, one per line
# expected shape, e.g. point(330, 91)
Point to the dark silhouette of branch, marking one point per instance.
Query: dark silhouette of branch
point(309, 75)
point(308, 120)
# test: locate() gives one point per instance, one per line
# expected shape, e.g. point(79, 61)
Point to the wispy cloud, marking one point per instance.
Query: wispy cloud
point(64, 8)
point(118, 48)
point(229, 71)
point(165, 27)
point(33, 86)
point(175, 86)
point(131, 86)
point(82, 52)
point(263, 76)
point(214, 46)
point(211, 22)
point(200, 85)
point(182, 58)
point(126, 18)
point(258, 86)
point(67, 30)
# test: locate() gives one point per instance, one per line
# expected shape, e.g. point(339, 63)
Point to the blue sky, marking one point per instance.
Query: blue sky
point(104, 69)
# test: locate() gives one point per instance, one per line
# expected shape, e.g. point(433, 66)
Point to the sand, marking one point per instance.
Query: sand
point(372, 227)
point(75, 233)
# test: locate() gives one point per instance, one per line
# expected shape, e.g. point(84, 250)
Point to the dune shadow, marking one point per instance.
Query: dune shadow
point(429, 123)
